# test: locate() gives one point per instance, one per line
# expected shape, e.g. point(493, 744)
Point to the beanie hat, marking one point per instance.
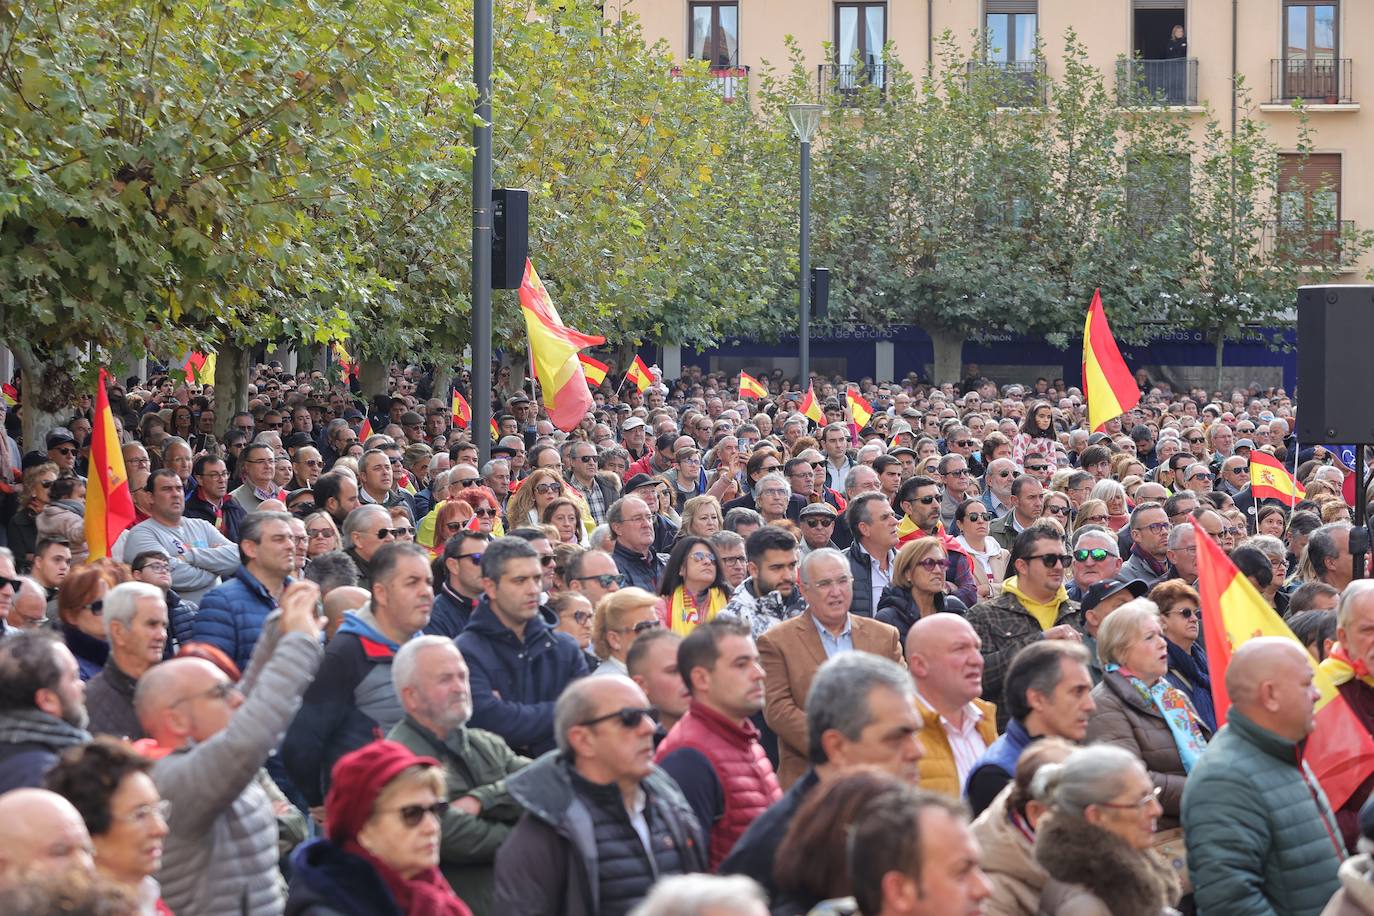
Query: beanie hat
point(356, 781)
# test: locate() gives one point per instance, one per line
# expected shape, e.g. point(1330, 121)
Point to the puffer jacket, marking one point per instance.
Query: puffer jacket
point(1261, 836)
point(1126, 719)
point(1093, 872)
point(231, 616)
point(515, 681)
point(897, 608)
point(939, 773)
point(734, 753)
point(1356, 896)
point(1009, 860)
point(221, 854)
point(552, 863)
point(65, 520)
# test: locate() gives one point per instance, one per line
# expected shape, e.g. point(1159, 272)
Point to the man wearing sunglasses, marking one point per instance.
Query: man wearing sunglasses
point(594, 574)
point(1095, 557)
point(62, 450)
point(601, 793)
point(457, 594)
point(365, 530)
point(997, 483)
point(1033, 605)
point(1149, 559)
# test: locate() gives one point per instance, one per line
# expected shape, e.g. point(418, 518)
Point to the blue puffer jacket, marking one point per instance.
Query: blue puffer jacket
point(515, 681)
point(231, 615)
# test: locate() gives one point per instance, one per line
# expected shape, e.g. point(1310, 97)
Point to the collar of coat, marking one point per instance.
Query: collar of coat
point(1130, 882)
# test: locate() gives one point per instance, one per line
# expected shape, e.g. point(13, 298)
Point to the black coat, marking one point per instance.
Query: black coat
point(326, 881)
point(897, 608)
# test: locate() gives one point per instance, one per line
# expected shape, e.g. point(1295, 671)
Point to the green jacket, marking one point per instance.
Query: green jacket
point(1261, 836)
point(476, 763)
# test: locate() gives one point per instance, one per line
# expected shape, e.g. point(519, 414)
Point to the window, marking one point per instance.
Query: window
point(1310, 204)
point(715, 33)
point(1310, 66)
point(1010, 30)
point(860, 33)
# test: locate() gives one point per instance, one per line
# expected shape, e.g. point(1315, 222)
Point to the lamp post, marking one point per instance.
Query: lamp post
point(482, 41)
point(806, 120)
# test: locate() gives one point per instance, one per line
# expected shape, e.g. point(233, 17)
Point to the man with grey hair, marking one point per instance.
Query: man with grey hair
point(601, 792)
point(136, 627)
point(997, 486)
point(365, 530)
point(860, 711)
point(431, 679)
point(496, 475)
point(29, 608)
point(704, 895)
point(1329, 550)
point(632, 521)
point(1096, 556)
point(771, 494)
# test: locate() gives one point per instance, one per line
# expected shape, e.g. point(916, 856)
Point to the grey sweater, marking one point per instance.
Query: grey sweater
point(221, 855)
point(199, 553)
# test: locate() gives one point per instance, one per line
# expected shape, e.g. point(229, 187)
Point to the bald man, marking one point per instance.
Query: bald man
point(343, 598)
point(214, 736)
point(942, 651)
point(1262, 838)
point(43, 833)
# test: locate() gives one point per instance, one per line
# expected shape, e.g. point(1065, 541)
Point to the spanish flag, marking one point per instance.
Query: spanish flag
point(593, 369)
point(810, 408)
point(495, 431)
point(1269, 479)
point(462, 413)
point(9, 394)
point(1108, 385)
point(861, 410)
point(907, 530)
point(199, 368)
point(639, 374)
point(749, 387)
point(1340, 751)
point(553, 350)
point(365, 431)
point(109, 505)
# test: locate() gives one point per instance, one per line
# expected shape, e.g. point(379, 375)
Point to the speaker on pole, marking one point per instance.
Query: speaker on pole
point(1335, 386)
point(510, 237)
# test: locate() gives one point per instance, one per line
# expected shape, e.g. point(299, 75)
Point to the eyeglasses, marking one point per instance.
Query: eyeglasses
point(768, 469)
point(213, 475)
point(1096, 554)
point(1092, 520)
point(1051, 560)
point(1187, 613)
point(453, 526)
point(585, 459)
point(485, 513)
point(1237, 532)
point(1202, 476)
point(1155, 527)
point(961, 472)
point(931, 564)
point(547, 488)
point(734, 561)
point(65, 451)
point(136, 462)
point(605, 580)
point(384, 533)
point(1193, 439)
point(145, 813)
point(220, 691)
point(319, 534)
point(976, 517)
point(1032, 468)
point(157, 566)
point(411, 815)
point(818, 521)
point(582, 617)
point(629, 717)
point(1144, 802)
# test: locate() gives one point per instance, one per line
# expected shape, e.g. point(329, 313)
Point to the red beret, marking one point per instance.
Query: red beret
point(358, 778)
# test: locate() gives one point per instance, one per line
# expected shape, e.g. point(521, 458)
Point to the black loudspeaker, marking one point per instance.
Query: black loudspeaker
point(1335, 394)
point(510, 237)
point(820, 291)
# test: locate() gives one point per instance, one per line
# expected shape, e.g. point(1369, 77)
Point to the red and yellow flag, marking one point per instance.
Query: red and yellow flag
point(365, 430)
point(907, 530)
point(9, 394)
point(199, 368)
point(1340, 751)
point(462, 413)
point(594, 369)
point(640, 375)
point(1108, 385)
point(495, 431)
point(553, 350)
point(810, 408)
point(1269, 479)
point(860, 409)
point(109, 504)
point(749, 387)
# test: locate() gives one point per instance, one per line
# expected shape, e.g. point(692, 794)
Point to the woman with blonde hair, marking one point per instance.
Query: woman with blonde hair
point(619, 619)
point(701, 517)
point(566, 518)
point(918, 586)
point(526, 504)
point(322, 533)
point(1091, 512)
point(1113, 496)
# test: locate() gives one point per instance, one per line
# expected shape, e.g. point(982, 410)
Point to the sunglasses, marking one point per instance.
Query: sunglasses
point(384, 533)
point(547, 488)
point(1032, 468)
point(924, 500)
point(470, 482)
point(1051, 560)
point(1187, 613)
point(931, 564)
point(65, 451)
point(1098, 554)
point(1092, 520)
point(485, 513)
point(547, 560)
point(411, 815)
point(319, 534)
point(629, 717)
point(978, 517)
point(819, 521)
point(1058, 510)
point(12, 583)
point(605, 580)
point(582, 618)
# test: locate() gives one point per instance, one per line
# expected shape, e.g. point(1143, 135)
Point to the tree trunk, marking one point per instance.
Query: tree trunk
point(949, 355)
point(443, 382)
point(372, 376)
point(43, 405)
point(232, 364)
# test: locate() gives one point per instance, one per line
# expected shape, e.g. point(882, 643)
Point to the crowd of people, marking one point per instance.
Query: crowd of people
point(698, 655)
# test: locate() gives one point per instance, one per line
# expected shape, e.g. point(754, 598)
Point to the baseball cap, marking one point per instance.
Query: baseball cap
point(352, 413)
point(631, 423)
point(59, 436)
point(1246, 444)
point(1101, 591)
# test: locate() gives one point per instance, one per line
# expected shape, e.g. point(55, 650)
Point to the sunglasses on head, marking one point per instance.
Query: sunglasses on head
point(1084, 554)
point(629, 717)
point(411, 815)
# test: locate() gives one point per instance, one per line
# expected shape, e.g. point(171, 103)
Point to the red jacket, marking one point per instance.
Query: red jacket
point(745, 775)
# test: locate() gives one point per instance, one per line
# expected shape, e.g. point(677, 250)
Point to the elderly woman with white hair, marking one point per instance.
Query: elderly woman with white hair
point(1139, 710)
point(1096, 843)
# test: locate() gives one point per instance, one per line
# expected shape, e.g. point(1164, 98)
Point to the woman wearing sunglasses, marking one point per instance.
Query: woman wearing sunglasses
point(974, 519)
point(1181, 617)
point(620, 618)
point(536, 492)
point(33, 497)
point(81, 612)
point(484, 505)
point(384, 813)
point(918, 586)
point(693, 586)
point(323, 535)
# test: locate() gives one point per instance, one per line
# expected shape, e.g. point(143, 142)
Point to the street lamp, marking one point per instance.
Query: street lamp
point(806, 120)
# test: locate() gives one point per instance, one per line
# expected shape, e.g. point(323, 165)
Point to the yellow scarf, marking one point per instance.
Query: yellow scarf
point(1045, 614)
point(1341, 669)
point(678, 614)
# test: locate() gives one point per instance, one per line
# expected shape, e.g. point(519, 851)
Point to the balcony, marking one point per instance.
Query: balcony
point(1316, 82)
point(729, 82)
point(1012, 84)
point(1145, 83)
point(1309, 241)
point(847, 83)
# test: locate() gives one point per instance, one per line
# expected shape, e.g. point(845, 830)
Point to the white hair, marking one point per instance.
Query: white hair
point(403, 665)
point(121, 603)
point(692, 895)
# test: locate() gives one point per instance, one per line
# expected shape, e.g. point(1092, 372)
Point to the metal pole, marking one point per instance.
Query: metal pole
point(482, 40)
point(805, 284)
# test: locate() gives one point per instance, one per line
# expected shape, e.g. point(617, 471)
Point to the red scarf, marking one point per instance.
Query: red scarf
point(427, 894)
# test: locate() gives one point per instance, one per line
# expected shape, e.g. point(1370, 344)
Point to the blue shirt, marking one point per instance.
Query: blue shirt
point(832, 644)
